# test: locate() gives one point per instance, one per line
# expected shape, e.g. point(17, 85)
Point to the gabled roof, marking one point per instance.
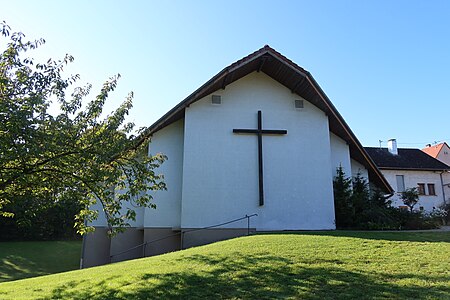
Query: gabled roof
point(293, 77)
point(407, 159)
point(434, 150)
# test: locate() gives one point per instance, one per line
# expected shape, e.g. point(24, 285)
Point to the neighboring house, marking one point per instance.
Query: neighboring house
point(408, 168)
point(260, 137)
point(440, 152)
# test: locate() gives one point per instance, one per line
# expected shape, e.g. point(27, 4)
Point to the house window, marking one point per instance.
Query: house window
point(400, 183)
point(421, 188)
point(431, 190)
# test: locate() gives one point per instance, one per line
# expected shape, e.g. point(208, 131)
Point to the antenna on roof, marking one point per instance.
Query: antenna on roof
point(380, 141)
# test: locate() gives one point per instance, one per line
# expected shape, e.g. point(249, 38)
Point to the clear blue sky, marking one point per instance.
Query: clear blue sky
point(384, 64)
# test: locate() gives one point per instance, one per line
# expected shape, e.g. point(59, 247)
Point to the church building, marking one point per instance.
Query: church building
point(260, 139)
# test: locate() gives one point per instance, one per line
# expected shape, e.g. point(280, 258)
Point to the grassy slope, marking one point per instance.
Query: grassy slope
point(328, 265)
point(29, 259)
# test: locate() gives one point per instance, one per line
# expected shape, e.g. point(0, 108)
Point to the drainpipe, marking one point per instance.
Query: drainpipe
point(442, 185)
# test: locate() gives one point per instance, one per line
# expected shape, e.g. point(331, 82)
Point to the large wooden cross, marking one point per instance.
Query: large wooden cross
point(259, 131)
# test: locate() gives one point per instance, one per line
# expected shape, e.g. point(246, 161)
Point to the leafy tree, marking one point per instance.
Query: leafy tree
point(40, 219)
point(410, 197)
point(77, 154)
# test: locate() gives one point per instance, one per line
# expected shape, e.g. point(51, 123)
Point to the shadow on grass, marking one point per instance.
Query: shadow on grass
point(13, 267)
point(431, 236)
point(19, 260)
point(257, 277)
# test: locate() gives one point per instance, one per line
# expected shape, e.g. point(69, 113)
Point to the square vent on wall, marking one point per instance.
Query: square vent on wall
point(216, 99)
point(298, 104)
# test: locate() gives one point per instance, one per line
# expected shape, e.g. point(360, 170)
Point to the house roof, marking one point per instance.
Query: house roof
point(293, 77)
point(434, 150)
point(407, 159)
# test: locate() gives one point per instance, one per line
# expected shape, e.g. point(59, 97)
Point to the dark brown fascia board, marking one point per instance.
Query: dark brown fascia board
point(290, 64)
point(414, 169)
point(349, 132)
point(337, 115)
point(219, 76)
point(235, 66)
point(180, 106)
point(254, 56)
point(193, 97)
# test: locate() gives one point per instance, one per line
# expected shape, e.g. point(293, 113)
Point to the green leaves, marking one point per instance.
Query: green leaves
point(77, 151)
point(410, 197)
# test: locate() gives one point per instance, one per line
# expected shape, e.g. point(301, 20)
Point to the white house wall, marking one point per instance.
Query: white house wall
point(340, 155)
point(358, 168)
point(220, 171)
point(168, 141)
point(444, 155)
point(412, 178)
point(101, 219)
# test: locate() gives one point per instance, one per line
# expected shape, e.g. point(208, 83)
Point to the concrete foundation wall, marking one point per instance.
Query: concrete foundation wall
point(96, 248)
point(168, 244)
point(124, 241)
point(99, 247)
point(203, 237)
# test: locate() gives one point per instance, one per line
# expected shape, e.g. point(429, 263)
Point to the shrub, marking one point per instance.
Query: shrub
point(446, 208)
point(359, 206)
point(410, 197)
point(40, 219)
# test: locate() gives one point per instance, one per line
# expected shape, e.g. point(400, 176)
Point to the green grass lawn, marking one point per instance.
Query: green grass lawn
point(319, 265)
point(20, 260)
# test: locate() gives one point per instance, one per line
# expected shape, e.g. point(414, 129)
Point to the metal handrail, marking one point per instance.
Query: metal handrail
point(183, 232)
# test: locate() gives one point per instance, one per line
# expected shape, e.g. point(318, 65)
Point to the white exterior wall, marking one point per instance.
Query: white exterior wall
point(444, 155)
point(412, 178)
point(340, 155)
point(359, 168)
point(101, 219)
point(168, 141)
point(220, 171)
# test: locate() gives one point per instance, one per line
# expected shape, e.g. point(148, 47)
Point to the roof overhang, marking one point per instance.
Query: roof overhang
point(414, 169)
point(293, 77)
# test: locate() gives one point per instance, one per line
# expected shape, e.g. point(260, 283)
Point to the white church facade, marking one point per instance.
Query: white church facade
point(260, 137)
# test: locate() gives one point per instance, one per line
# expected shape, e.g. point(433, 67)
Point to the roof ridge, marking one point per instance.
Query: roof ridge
point(293, 77)
point(409, 158)
point(268, 49)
